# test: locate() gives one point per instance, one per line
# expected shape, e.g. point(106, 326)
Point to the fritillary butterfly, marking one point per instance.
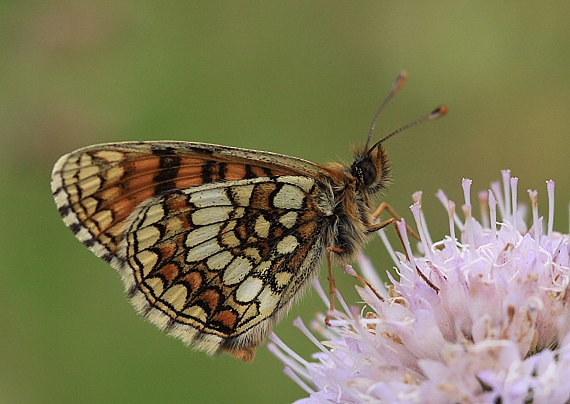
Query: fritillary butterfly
point(215, 243)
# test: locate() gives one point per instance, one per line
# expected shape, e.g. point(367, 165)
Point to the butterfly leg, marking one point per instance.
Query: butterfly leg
point(332, 283)
point(337, 250)
point(395, 217)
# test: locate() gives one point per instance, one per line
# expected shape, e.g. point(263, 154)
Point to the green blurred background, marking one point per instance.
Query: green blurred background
point(299, 78)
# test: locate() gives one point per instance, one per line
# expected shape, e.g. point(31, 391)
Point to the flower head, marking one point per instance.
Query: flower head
point(482, 319)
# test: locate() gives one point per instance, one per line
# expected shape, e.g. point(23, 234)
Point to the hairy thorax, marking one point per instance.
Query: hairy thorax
point(348, 214)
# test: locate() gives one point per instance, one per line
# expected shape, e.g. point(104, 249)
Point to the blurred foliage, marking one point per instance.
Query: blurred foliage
point(299, 78)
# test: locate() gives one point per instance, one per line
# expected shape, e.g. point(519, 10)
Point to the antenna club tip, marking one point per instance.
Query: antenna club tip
point(400, 81)
point(438, 112)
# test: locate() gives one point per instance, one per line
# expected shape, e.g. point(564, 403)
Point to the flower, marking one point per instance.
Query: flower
point(482, 320)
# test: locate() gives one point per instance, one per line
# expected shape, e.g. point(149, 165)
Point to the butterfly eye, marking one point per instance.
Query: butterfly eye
point(365, 171)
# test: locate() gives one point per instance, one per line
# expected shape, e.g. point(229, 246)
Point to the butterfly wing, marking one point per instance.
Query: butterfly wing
point(217, 265)
point(96, 188)
point(213, 243)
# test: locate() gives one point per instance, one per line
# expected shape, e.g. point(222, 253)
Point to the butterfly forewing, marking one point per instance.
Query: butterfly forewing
point(97, 187)
point(213, 243)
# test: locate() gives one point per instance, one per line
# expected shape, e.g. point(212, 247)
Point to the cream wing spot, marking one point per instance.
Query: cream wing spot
point(267, 301)
point(155, 285)
point(90, 205)
point(69, 176)
point(203, 251)
point(242, 194)
point(289, 219)
point(110, 193)
point(253, 253)
point(174, 225)
point(263, 267)
point(248, 289)
point(250, 313)
point(176, 296)
point(110, 156)
point(148, 260)
point(90, 186)
point(87, 172)
point(236, 271)
point(287, 245)
point(289, 197)
point(283, 278)
point(238, 213)
point(83, 161)
point(202, 234)
point(230, 239)
point(72, 192)
point(219, 261)
point(214, 214)
point(114, 174)
point(261, 227)
point(103, 219)
point(305, 183)
point(230, 225)
point(197, 312)
point(210, 197)
point(104, 239)
point(153, 214)
point(147, 237)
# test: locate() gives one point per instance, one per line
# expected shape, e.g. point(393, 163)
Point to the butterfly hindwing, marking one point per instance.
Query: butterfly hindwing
point(226, 259)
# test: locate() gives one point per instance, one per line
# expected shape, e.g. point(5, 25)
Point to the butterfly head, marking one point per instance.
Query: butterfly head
point(371, 169)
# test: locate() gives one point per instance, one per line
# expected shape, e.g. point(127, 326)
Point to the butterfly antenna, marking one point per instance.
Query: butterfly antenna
point(435, 114)
point(398, 84)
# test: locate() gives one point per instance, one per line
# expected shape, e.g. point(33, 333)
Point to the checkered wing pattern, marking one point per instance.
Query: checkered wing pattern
point(213, 243)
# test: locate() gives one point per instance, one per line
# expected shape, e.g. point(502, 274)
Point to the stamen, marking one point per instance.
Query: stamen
point(467, 211)
point(466, 185)
point(484, 206)
point(451, 213)
point(343, 302)
point(469, 229)
point(388, 246)
point(533, 194)
point(550, 189)
point(320, 291)
point(298, 322)
point(496, 188)
point(416, 208)
point(506, 192)
point(406, 242)
point(493, 216)
point(443, 199)
point(370, 274)
point(514, 182)
point(293, 376)
point(417, 197)
point(293, 360)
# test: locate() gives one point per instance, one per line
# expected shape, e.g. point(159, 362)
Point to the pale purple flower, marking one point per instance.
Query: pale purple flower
point(482, 319)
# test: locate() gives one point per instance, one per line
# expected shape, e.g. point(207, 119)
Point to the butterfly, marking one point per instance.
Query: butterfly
point(215, 243)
